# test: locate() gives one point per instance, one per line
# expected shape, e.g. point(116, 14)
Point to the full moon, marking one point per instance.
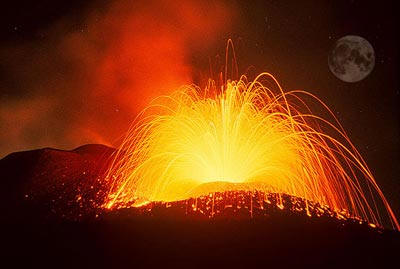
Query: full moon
point(352, 58)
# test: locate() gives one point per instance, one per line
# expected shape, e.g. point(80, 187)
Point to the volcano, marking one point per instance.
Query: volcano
point(52, 217)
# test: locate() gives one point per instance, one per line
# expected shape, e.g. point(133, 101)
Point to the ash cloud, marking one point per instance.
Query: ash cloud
point(85, 83)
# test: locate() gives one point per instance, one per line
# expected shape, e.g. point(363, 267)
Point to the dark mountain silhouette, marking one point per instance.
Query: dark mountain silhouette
point(51, 219)
point(53, 182)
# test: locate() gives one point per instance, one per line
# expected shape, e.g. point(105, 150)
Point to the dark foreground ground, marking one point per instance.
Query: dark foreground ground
point(49, 221)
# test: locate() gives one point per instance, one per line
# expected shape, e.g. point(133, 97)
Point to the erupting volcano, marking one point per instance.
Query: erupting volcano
point(130, 135)
point(243, 136)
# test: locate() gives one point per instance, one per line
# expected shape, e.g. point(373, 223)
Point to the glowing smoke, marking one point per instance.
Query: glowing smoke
point(84, 84)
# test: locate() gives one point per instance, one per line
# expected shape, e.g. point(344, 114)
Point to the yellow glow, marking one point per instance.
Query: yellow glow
point(244, 136)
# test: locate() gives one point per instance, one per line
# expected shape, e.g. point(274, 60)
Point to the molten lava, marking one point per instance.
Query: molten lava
point(245, 136)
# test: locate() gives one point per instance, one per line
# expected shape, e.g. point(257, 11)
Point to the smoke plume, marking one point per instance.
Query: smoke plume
point(85, 82)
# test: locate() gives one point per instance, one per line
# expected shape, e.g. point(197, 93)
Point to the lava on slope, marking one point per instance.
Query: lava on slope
point(237, 205)
point(53, 227)
point(69, 185)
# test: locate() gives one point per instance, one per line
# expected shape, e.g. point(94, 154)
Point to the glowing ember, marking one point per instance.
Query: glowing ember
point(241, 204)
point(246, 136)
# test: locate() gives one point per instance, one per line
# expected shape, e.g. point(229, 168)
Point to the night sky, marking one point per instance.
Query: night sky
point(66, 75)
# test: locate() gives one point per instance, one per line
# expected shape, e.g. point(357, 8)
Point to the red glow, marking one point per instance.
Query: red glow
point(104, 71)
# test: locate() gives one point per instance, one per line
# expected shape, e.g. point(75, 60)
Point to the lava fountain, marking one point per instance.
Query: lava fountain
point(243, 135)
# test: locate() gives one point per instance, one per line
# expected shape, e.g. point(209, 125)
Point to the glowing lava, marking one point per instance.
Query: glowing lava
point(248, 136)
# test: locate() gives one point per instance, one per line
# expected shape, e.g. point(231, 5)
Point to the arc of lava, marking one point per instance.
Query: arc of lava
point(249, 135)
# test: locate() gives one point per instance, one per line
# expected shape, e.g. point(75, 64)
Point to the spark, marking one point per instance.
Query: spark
point(243, 136)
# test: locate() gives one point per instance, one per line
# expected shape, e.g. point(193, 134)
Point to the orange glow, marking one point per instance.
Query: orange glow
point(249, 136)
point(123, 54)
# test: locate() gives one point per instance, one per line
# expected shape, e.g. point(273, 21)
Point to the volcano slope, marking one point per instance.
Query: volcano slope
point(51, 217)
